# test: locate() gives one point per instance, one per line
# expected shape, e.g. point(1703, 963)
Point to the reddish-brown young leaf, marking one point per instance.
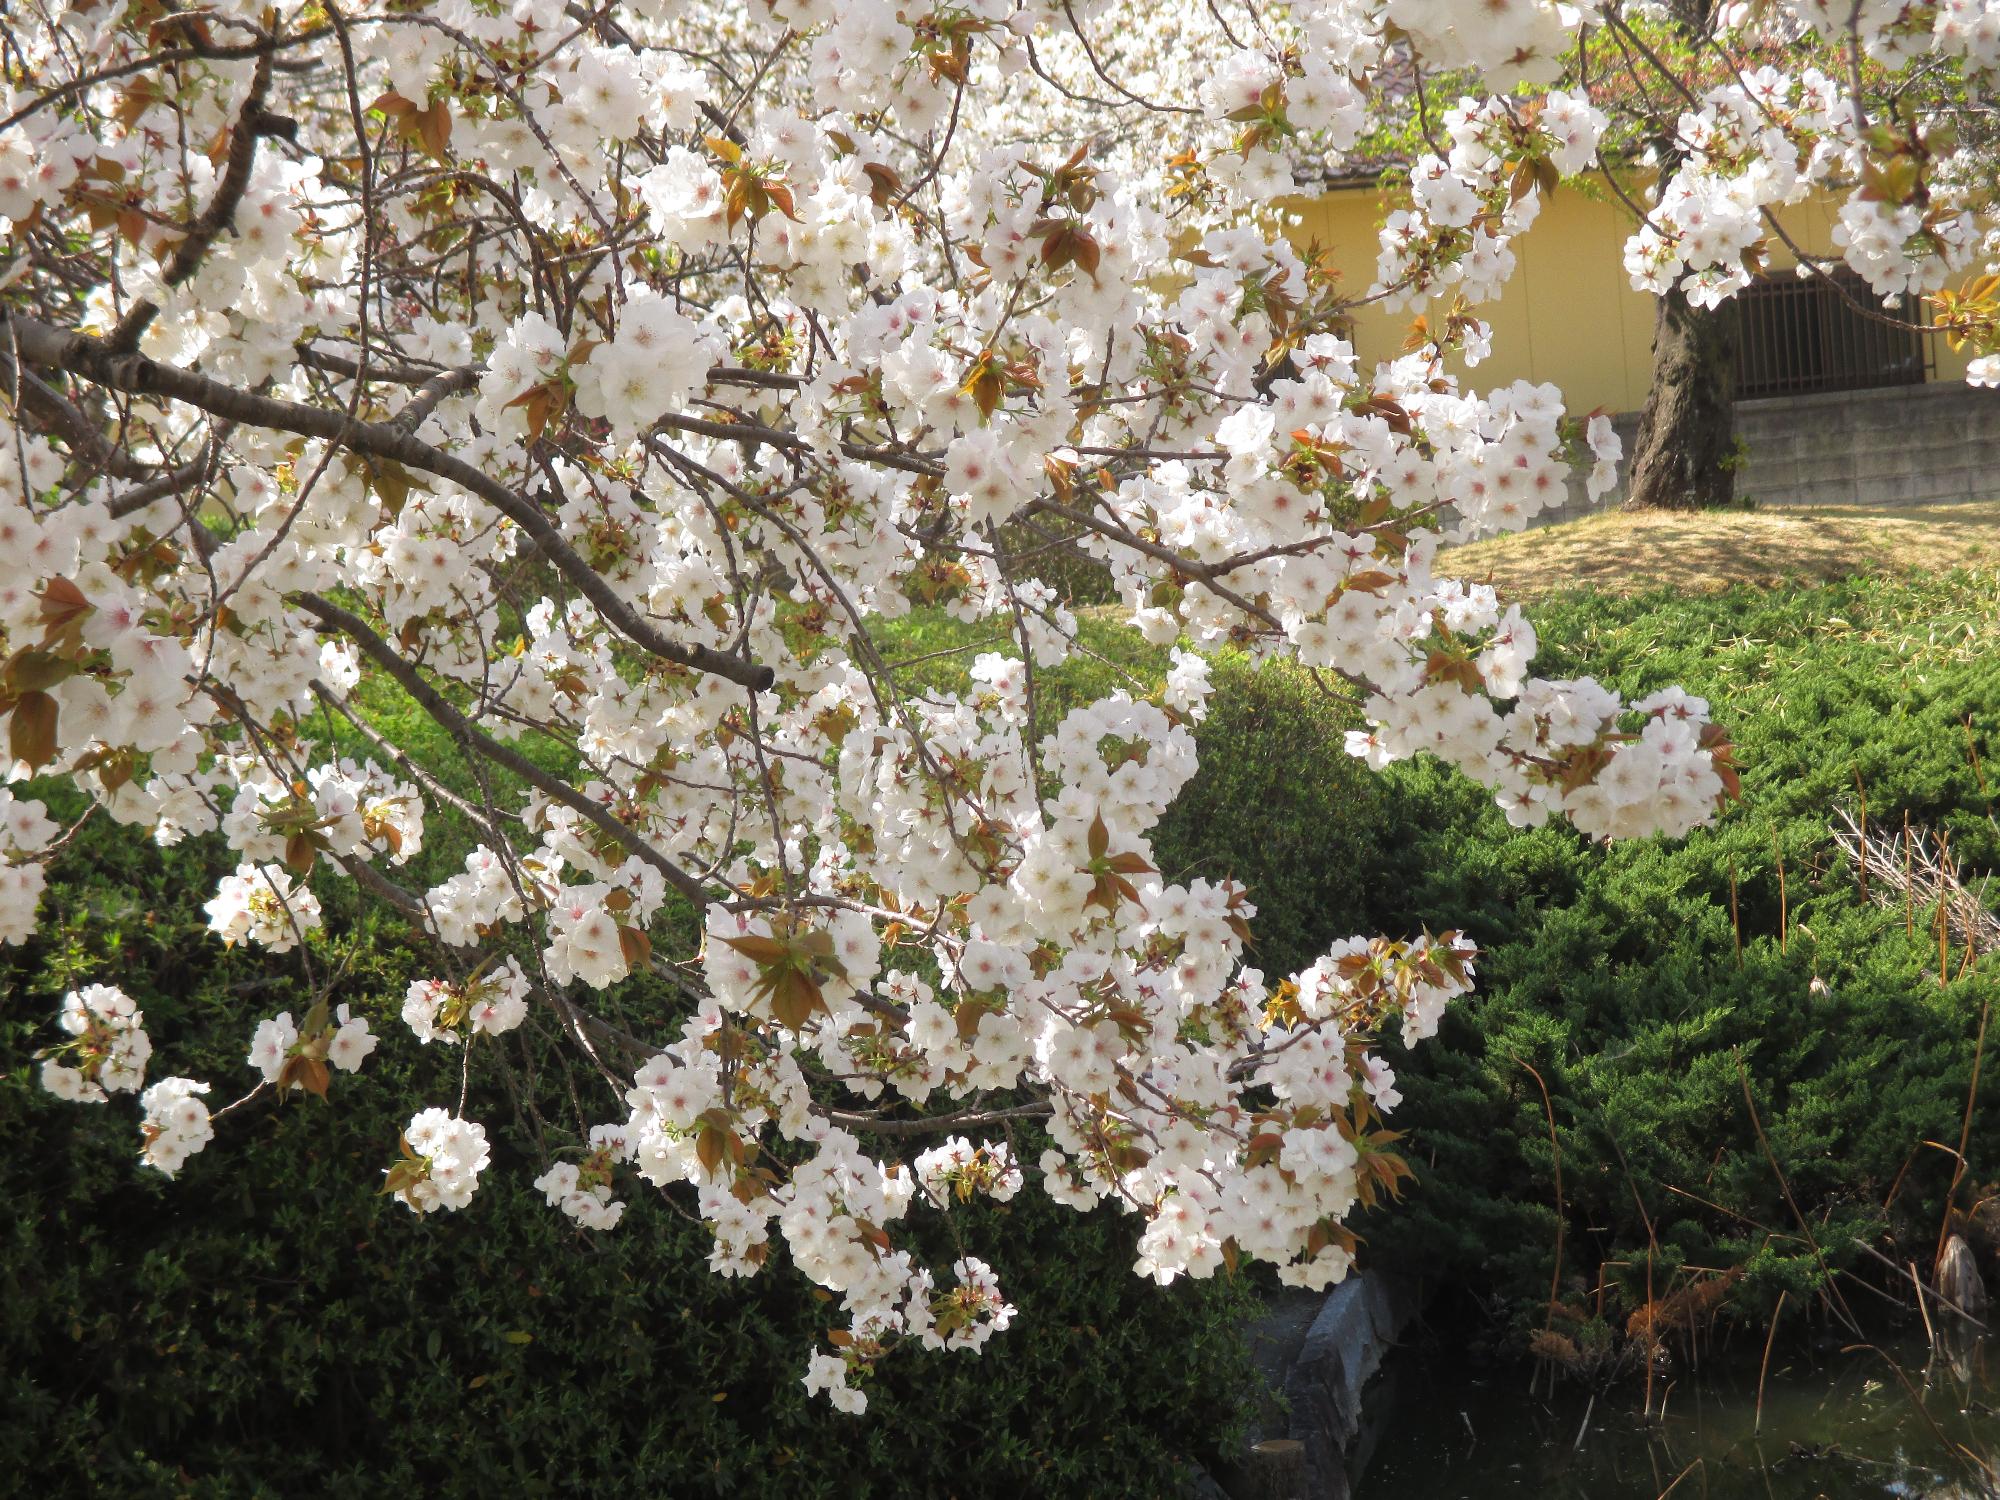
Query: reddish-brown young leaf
point(708, 1148)
point(33, 671)
point(636, 946)
point(405, 1174)
point(307, 1072)
point(884, 182)
point(434, 128)
point(986, 383)
point(31, 730)
point(1371, 581)
point(759, 949)
point(62, 601)
point(795, 999)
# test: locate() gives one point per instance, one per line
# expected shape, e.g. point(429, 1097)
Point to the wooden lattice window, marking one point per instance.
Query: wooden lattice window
point(1798, 334)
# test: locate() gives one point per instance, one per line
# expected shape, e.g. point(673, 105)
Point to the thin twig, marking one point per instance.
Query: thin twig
point(1925, 875)
point(1923, 1308)
point(1555, 1147)
point(1764, 1370)
point(1964, 1133)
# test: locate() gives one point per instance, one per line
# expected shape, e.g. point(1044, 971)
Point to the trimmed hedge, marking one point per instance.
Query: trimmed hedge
point(268, 1323)
point(1279, 803)
point(1614, 973)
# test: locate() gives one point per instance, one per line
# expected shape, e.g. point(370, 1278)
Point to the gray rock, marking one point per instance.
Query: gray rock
point(1316, 1355)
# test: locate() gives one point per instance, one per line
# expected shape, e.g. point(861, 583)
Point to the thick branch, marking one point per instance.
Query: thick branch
point(218, 216)
point(76, 428)
point(173, 482)
point(938, 1125)
point(397, 373)
point(79, 354)
point(1200, 572)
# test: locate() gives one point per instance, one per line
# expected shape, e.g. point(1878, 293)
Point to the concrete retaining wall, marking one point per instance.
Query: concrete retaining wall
point(1912, 445)
point(1908, 445)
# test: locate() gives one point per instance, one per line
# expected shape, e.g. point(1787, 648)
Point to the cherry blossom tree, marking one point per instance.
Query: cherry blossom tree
point(601, 384)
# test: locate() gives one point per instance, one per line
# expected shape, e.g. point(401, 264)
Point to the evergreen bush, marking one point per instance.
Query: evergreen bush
point(1614, 973)
point(269, 1325)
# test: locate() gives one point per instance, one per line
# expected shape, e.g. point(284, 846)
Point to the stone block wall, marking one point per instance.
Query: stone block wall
point(1907, 445)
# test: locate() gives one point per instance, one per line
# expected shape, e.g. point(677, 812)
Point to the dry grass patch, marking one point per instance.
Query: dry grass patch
point(1623, 552)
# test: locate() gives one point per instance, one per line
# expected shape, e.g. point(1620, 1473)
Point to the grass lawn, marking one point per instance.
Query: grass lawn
point(1622, 552)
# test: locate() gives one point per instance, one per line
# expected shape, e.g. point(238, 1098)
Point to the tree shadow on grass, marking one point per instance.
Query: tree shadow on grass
point(1635, 552)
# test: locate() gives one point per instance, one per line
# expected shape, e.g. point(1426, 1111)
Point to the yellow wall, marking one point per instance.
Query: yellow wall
point(1569, 316)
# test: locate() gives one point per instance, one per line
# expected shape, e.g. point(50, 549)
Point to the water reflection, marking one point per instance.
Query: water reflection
point(1864, 1423)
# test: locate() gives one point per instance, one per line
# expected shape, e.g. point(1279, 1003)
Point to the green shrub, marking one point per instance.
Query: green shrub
point(269, 1325)
point(1614, 973)
point(1279, 804)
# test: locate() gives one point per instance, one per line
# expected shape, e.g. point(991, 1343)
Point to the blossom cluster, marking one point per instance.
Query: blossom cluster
point(107, 1054)
point(25, 830)
point(1468, 205)
point(176, 1124)
point(491, 1003)
point(959, 1170)
point(583, 1191)
point(293, 1056)
point(109, 1047)
point(443, 1156)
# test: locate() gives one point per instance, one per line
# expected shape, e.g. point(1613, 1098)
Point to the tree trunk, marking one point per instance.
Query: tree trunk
point(1685, 452)
point(1684, 457)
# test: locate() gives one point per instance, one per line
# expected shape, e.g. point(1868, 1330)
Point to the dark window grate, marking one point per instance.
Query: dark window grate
point(1796, 335)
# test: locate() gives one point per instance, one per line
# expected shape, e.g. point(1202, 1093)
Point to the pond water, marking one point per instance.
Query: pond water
point(1836, 1426)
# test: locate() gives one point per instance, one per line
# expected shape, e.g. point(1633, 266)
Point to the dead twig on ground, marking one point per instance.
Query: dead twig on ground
point(1921, 872)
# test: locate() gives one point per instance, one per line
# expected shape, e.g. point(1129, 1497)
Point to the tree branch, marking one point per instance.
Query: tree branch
point(218, 216)
point(939, 1125)
point(93, 359)
point(472, 738)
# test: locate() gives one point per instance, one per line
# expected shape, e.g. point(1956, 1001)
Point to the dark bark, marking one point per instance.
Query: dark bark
point(1684, 457)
